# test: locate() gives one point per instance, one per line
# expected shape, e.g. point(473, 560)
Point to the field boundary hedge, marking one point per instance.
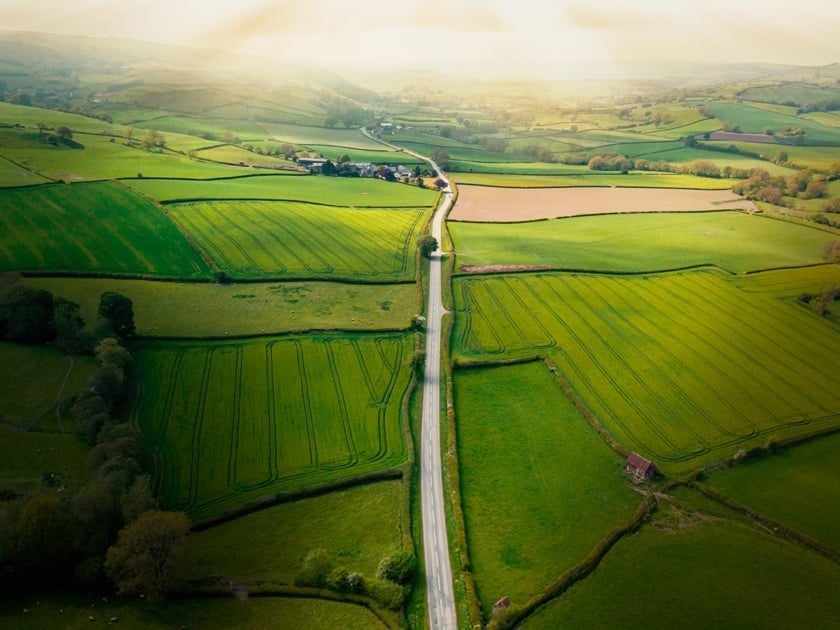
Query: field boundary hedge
point(770, 525)
point(605, 272)
point(288, 496)
point(600, 214)
point(516, 614)
point(280, 591)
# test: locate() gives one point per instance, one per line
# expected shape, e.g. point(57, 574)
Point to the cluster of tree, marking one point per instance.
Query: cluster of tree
point(804, 184)
point(610, 162)
point(831, 105)
point(30, 315)
point(349, 116)
point(285, 150)
point(441, 158)
point(390, 586)
point(538, 153)
point(153, 140)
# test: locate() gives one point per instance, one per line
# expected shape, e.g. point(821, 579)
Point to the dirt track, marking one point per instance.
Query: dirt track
point(482, 203)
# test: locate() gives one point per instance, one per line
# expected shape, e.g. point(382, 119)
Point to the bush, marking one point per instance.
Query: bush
point(315, 569)
point(399, 567)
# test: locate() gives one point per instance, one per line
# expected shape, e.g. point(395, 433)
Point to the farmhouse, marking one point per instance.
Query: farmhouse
point(642, 469)
point(311, 163)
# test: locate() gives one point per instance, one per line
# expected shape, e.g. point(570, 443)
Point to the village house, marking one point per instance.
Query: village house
point(642, 469)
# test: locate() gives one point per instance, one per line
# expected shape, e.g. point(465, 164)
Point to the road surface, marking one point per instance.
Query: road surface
point(440, 596)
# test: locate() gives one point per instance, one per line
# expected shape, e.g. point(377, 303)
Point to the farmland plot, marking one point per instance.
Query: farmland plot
point(228, 423)
point(297, 240)
point(683, 367)
point(91, 228)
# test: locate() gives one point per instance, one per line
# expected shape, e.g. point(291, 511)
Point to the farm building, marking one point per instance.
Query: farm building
point(502, 604)
point(641, 468)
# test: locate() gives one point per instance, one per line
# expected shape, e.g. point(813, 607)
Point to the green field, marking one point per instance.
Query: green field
point(584, 177)
point(237, 155)
point(75, 611)
point(295, 134)
point(337, 191)
point(538, 485)
point(229, 423)
point(642, 242)
point(709, 574)
point(264, 239)
point(798, 93)
point(814, 157)
point(29, 455)
point(756, 120)
point(13, 175)
point(357, 527)
point(91, 228)
point(793, 486)
point(191, 309)
point(661, 359)
point(36, 380)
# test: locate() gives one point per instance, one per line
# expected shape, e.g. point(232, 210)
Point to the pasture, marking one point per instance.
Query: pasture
point(582, 176)
point(262, 239)
point(642, 242)
point(481, 203)
point(539, 487)
point(661, 359)
point(793, 485)
point(30, 455)
point(37, 382)
point(701, 572)
point(756, 120)
point(259, 613)
point(193, 309)
point(91, 228)
point(305, 135)
point(228, 423)
point(335, 191)
point(357, 526)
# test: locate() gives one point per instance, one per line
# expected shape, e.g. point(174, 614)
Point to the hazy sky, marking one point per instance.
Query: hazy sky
point(549, 37)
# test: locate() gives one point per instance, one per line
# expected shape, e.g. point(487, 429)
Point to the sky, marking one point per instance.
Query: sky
point(512, 38)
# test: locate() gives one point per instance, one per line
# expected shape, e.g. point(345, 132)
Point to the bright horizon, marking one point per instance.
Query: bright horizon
point(488, 38)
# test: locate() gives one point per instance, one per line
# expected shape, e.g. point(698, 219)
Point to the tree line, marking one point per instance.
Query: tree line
point(109, 531)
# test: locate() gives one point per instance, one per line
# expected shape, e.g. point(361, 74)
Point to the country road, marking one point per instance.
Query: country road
point(440, 596)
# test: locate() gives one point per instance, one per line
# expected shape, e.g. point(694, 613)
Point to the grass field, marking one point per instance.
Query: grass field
point(642, 242)
point(756, 120)
point(228, 423)
point(661, 359)
point(75, 611)
point(189, 309)
point(13, 175)
point(715, 573)
point(91, 228)
point(799, 93)
point(357, 527)
point(384, 156)
point(539, 487)
point(263, 239)
point(814, 157)
point(792, 486)
point(585, 177)
point(337, 191)
point(28, 455)
point(295, 134)
point(237, 155)
point(35, 380)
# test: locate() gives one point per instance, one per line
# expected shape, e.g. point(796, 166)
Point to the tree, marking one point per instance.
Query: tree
point(154, 139)
point(329, 169)
point(832, 206)
point(315, 569)
point(26, 314)
point(441, 158)
point(427, 245)
point(399, 567)
point(42, 535)
point(68, 325)
point(140, 498)
point(118, 311)
point(150, 555)
point(41, 127)
point(64, 133)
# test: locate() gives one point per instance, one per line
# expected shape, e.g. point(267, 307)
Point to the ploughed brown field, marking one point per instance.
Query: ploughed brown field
point(484, 203)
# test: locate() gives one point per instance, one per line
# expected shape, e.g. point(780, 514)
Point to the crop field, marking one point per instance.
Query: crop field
point(336, 191)
point(358, 526)
point(481, 203)
point(228, 423)
point(196, 310)
point(539, 487)
point(642, 242)
point(706, 573)
point(259, 613)
point(682, 367)
point(791, 486)
point(258, 239)
point(34, 381)
point(91, 228)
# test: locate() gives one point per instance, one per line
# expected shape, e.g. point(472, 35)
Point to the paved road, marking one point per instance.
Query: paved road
point(440, 596)
point(439, 592)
